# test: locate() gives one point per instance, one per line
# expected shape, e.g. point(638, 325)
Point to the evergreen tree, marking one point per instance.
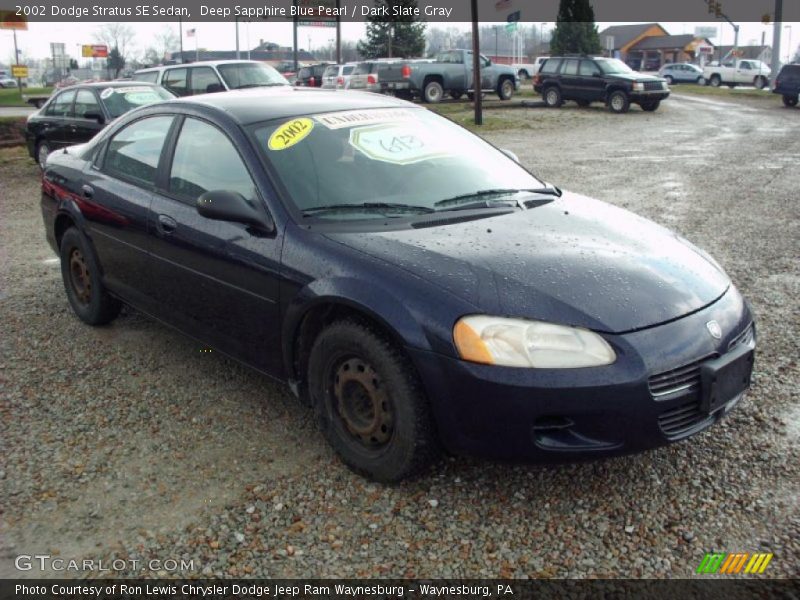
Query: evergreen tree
point(115, 61)
point(389, 36)
point(575, 31)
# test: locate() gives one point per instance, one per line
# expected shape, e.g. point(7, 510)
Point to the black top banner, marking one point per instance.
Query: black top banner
point(432, 11)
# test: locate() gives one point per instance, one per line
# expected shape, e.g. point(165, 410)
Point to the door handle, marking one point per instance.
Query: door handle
point(166, 224)
point(88, 191)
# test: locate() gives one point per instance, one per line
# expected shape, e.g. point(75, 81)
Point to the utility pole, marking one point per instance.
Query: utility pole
point(236, 21)
point(16, 62)
point(338, 35)
point(776, 41)
point(476, 65)
point(294, 36)
point(180, 35)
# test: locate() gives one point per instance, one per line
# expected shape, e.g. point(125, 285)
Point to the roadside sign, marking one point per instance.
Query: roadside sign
point(10, 20)
point(511, 27)
point(57, 49)
point(94, 51)
point(705, 32)
point(19, 71)
point(609, 42)
point(513, 17)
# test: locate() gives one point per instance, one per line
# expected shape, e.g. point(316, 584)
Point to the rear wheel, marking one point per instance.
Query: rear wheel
point(506, 89)
point(370, 403)
point(789, 100)
point(433, 92)
point(715, 81)
point(619, 102)
point(670, 79)
point(760, 82)
point(85, 291)
point(43, 150)
point(552, 97)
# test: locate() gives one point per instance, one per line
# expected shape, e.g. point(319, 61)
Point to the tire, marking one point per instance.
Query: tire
point(715, 81)
point(369, 403)
point(789, 101)
point(618, 102)
point(43, 150)
point(433, 92)
point(456, 95)
point(670, 80)
point(760, 82)
point(552, 97)
point(582, 103)
point(651, 106)
point(81, 275)
point(505, 90)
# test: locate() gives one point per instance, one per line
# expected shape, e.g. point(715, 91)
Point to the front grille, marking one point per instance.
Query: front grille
point(652, 86)
point(681, 419)
point(682, 379)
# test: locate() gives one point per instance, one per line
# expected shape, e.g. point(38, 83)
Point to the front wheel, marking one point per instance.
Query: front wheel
point(715, 81)
point(370, 404)
point(433, 92)
point(552, 97)
point(651, 106)
point(669, 79)
point(789, 100)
point(506, 89)
point(43, 150)
point(85, 291)
point(619, 102)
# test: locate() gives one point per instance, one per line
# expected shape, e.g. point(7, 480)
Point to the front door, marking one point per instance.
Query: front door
point(82, 128)
point(217, 280)
point(591, 81)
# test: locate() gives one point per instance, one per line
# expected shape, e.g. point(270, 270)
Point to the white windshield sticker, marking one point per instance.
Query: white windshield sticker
point(142, 97)
point(398, 143)
point(106, 93)
point(339, 120)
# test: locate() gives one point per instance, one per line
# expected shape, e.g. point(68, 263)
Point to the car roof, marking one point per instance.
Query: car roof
point(263, 104)
point(199, 63)
point(108, 84)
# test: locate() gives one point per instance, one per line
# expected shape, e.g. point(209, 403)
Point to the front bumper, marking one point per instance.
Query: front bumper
point(648, 96)
point(557, 415)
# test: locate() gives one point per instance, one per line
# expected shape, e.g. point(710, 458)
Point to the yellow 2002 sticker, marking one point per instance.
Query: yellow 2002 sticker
point(290, 133)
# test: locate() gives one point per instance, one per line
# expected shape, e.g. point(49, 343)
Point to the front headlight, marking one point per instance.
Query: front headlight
point(521, 343)
point(638, 86)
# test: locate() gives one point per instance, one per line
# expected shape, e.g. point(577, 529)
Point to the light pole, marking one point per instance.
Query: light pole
point(541, 37)
point(789, 51)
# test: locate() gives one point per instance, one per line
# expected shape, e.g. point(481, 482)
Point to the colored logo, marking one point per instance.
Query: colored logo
point(738, 562)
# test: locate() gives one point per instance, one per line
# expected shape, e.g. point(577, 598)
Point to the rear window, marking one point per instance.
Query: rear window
point(551, 65)
point(363, 68)
point(150, 76)
point(119, 100)
point(347, 70)
point(331, 72)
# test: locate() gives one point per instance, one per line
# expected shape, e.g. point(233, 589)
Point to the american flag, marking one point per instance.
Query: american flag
point(190, 32)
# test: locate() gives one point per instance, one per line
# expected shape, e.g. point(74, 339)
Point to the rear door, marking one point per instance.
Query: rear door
point(571, 88)
point(176, 81)
point(217, 280)
point(116, 201)
point(57, 118)
point(204, 80)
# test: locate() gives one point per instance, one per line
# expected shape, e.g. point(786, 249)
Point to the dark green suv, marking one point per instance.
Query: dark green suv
point(587, 79)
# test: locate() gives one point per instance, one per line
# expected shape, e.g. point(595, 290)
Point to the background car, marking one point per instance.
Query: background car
point(7, 82)
point(311, 75)
point(320, 238)
point(209, 77)
point(681, 73)
point(337, 77)
point(74, 115)
point(787, 84)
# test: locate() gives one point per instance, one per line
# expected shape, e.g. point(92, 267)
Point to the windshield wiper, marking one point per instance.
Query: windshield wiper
point(376, 206)
point(551, 191)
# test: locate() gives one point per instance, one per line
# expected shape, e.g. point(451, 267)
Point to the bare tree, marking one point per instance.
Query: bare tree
point(166, 41)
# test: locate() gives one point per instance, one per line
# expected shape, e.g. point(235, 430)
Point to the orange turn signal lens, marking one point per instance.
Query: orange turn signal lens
point(470, 346)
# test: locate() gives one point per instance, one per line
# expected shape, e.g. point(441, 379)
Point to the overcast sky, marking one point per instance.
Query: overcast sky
point(220, 36)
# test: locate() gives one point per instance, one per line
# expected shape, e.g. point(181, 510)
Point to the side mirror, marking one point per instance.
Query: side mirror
point(95, 116)
point(510, 154)
point(223, 205)
point(596, 74)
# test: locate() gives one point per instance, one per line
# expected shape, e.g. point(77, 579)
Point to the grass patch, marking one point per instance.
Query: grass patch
point(12, 97)
point(721, 92)
point(13, 154)
point(12, 131)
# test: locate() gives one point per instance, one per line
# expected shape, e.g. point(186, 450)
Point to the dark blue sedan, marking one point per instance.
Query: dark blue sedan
point(414, 284)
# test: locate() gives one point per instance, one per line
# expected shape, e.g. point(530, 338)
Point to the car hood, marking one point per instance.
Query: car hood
point(634, 77)
point(575, 261)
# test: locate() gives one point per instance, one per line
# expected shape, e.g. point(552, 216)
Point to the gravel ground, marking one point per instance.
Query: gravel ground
point(129, 442)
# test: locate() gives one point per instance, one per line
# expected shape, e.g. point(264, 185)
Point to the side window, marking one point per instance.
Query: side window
point(745, 65)
point(588, 68)
point(86, 102)
point(205, 159)
point(571, 68)
point(205, 81)
point(134, 152)
point(61, 106)
point(175, 81)
point(551, 65)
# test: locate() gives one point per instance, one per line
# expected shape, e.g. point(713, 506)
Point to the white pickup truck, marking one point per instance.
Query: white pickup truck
point(740, 72)
point(529, 70)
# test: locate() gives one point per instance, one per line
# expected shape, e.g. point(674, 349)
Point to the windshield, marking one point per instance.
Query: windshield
point(613, 65)
point(244, 75)
point(119, 100)
point(403, 157)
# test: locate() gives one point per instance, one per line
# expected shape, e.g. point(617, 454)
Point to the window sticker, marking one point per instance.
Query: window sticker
point(106, 93)
point(290, 133)
point(348, 118)
point(398, 143)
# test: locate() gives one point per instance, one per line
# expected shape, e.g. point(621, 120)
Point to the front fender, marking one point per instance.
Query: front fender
point(374, 301)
